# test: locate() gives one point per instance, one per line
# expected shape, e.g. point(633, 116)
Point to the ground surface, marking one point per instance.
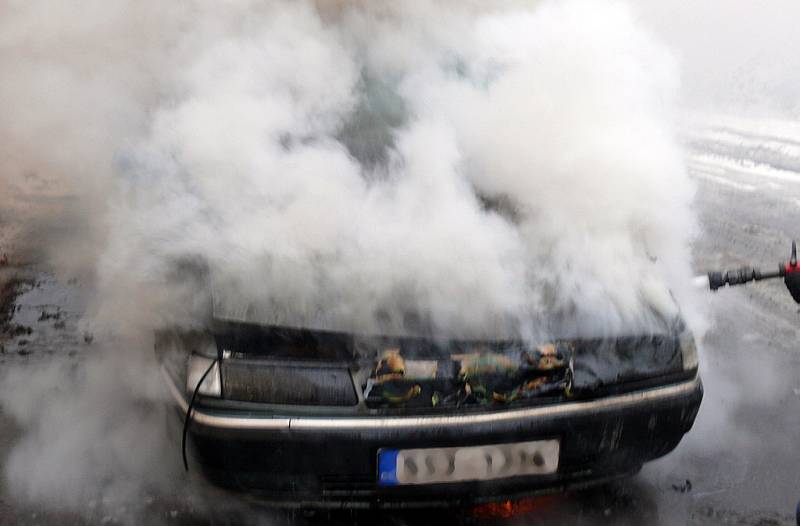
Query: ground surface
point(739, 465)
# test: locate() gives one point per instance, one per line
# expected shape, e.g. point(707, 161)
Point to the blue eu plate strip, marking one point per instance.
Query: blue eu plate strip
point(387, 467)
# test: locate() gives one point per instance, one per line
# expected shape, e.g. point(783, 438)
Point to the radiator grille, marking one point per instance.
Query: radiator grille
point(250, 381)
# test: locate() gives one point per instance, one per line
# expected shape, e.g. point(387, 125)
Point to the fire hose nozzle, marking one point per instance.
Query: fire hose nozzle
point(717, 280)
point(741, 276)
point(788, 271)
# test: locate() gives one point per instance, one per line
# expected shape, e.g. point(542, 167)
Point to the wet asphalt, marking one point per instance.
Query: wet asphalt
point(739, 465)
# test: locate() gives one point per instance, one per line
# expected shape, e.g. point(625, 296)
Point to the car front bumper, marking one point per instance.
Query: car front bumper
point(331, 461)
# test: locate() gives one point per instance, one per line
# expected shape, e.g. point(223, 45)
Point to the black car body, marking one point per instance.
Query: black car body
point(317, 418)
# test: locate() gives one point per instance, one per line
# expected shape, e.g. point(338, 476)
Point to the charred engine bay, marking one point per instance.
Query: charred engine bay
point(292, 366)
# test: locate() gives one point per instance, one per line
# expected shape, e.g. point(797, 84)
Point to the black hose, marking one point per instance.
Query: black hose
point(189, 413)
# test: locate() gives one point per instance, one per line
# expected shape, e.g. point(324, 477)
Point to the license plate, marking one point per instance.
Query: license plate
point(455, 464)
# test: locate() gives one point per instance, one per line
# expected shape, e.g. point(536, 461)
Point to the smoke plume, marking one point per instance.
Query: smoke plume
point(379, 170)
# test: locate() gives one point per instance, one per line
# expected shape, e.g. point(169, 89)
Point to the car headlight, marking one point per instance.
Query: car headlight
point(196, 368)
point(688, 351)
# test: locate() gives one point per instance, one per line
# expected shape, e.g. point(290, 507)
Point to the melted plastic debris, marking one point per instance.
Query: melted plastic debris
point(476, 364)
point(391, 366)
point(481, 377)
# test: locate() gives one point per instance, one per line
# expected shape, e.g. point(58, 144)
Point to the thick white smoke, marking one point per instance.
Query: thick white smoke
point(337, 174)
point(385, 166)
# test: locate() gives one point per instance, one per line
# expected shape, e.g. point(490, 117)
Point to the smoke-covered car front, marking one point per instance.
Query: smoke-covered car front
point(315, 418)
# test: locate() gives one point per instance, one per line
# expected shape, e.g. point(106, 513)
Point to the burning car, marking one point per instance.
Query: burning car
point(324, 418)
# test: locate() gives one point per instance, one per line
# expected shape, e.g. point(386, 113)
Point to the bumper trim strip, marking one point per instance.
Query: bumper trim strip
point(377, 423)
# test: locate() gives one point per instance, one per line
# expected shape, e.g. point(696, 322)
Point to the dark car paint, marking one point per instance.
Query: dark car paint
point(337, 467)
